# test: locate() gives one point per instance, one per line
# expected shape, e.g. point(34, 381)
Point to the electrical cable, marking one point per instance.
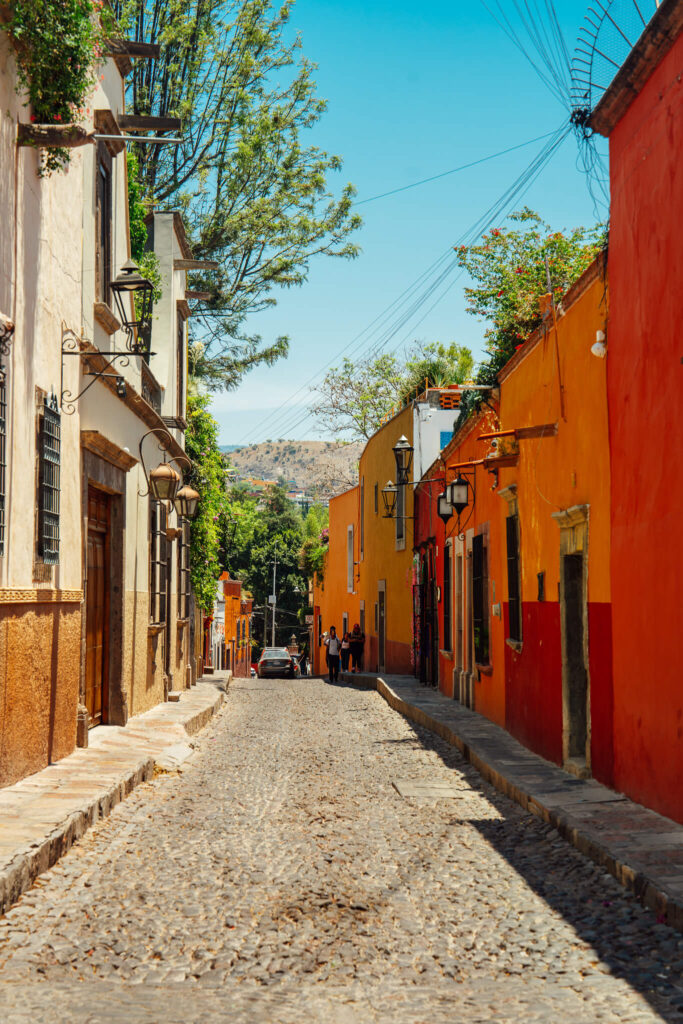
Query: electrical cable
point(454, 170)
point(519, 187)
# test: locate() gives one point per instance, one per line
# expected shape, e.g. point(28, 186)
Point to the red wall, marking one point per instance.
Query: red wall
point(645, 393)
point(602, 692)
point(533, 680)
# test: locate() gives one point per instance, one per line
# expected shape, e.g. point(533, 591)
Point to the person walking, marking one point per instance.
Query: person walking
point(333, 645)
point(357, 643)
point(345, 652)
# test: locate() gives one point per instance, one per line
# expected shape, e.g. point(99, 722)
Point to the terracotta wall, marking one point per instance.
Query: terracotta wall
point(39, 675)
point(646, 430)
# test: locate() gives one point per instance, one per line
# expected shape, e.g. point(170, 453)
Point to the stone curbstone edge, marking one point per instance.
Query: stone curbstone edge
point(665, 905)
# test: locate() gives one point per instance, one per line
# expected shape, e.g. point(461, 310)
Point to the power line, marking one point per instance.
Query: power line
point(355, 342)
point(454, 170)
point(511, 195)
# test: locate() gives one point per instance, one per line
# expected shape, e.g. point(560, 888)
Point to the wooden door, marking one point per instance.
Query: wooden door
point(97, 607)
point(381, 631)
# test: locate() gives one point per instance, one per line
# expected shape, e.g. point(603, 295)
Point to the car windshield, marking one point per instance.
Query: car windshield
point(275, 652)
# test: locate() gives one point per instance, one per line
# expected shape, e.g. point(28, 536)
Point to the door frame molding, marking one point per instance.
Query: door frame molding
point(574, 531)
point(102, 475)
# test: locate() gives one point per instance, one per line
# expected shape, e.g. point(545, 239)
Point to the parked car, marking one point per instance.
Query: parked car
point(296, 667)
point(275, 661)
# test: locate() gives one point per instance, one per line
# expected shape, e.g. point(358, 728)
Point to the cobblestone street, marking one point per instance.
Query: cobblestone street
point(282, 877)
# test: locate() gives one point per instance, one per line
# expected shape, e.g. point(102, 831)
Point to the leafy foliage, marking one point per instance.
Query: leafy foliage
point(59, 46)
point(146, 259)
point(255, 197)
point(356, 397)
point(273, 529)
point(315, 543)
point(508, 268)
point(208, 477)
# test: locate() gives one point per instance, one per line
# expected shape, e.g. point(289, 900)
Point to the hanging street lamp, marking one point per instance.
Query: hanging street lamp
point(459, 494)
point(185, 502)
point(444, 507)
point(389, 495)
point(163, 482)
point(133, 295)
point(403, 454)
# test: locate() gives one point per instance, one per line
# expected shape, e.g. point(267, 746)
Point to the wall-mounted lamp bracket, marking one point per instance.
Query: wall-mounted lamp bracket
point(71, 346)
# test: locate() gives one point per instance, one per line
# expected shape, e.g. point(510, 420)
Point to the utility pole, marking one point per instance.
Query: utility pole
point(274, 598)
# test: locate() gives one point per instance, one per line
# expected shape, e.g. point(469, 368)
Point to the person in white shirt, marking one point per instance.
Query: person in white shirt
point(333, 644)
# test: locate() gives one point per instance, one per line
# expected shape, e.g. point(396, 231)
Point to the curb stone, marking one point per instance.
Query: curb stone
point(652, 892)
point(33, 836)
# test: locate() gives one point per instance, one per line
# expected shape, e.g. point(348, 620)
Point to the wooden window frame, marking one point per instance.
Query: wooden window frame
point(158, 563)
point(481, 625)
point(103, 223)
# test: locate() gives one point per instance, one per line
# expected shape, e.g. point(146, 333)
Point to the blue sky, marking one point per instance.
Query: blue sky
point(411, 93)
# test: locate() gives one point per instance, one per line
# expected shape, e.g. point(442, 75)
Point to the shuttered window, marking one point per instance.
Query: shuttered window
point(49, 481)
point(3, 455)
point(446, 600)
point(480, 608)
point(514, 602)
point(158, 565)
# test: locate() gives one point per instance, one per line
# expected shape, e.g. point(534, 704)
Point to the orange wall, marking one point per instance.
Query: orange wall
point(332, 597)
point(380, 559)
point(554, 474)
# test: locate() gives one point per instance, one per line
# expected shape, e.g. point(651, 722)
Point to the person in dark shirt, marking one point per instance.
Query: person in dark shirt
point(357, 641)
point(333, 644)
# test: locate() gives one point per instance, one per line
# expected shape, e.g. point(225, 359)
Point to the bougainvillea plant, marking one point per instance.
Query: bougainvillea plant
point(509, 269)
point(59, 48)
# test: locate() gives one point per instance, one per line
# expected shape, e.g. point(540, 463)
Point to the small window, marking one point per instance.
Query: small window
point(514, 603)
point(446, 599)
point(400, 515)
point(349, 559)
point(362, 517)
point(49, 481)
point(480, 600)
point(103, 210)
point(3, 454)
point(157, 562)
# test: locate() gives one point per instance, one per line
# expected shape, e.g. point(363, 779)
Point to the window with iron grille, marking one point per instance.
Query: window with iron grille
point(183, 581)
point(158, 553)
point(48, 481)
point(514, 602)
point(3, 454)
point(447, 558)
point(103, 216)
point(480, 603)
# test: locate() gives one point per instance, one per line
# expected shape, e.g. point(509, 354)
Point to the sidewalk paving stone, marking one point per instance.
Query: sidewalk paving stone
point(641, 848)
point(43, 815)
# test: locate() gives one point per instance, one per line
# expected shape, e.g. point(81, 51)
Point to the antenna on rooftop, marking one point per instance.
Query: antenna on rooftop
point(610, 30)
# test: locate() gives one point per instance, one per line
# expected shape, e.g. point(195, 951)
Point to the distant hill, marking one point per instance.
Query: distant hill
point(322, 468)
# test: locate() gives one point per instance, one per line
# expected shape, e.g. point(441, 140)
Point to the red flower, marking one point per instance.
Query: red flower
point(499, 294)
point(517, 348)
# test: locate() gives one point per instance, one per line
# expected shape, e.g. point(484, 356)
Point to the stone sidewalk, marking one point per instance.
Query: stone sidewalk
point(44, 814)
point(642, 849)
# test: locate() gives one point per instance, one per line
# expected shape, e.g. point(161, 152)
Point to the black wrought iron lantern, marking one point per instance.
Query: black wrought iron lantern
point(185, 502)
point(163, 482)
point(459, 494)
point(444, 507)
point(403, 453)
point(133, 295)
point(389, 495)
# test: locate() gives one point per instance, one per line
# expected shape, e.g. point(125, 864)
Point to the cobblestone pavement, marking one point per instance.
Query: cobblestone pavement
point(281, 877)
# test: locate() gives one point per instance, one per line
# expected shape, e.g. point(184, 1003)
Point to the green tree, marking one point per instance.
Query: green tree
point(278, 532)
point(509, 269)
point(315, 541)
point(356, 397)
point(209, 479)
point(255, 196)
